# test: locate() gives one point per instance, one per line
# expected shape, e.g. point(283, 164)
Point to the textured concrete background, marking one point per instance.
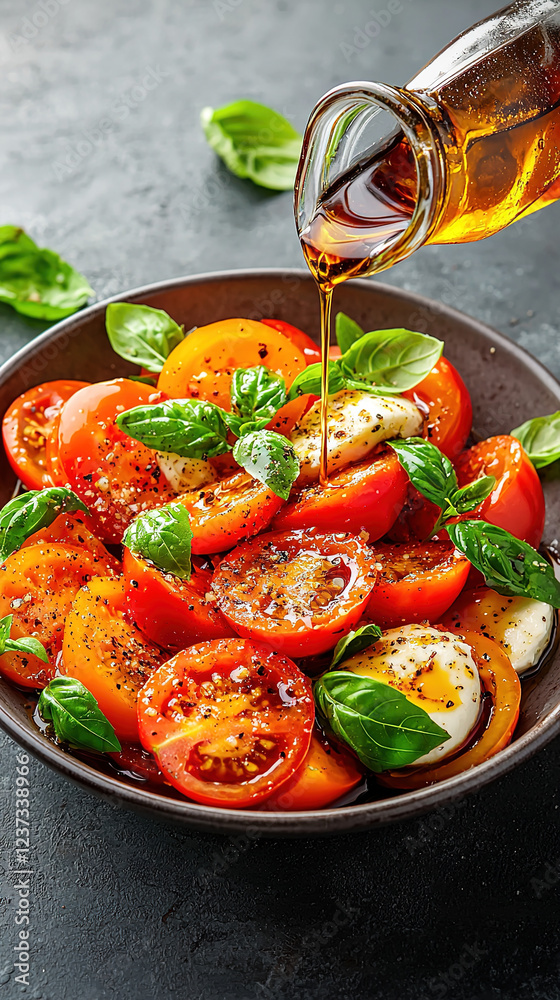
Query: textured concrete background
point(460, 904)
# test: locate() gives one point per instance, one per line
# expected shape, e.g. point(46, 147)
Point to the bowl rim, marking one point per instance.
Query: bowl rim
point(350, 818)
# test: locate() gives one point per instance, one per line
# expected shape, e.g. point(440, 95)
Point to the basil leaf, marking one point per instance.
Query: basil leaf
point(30, 511)
point(355, 642)
point(378, 722)
point(540, 438)
point(26, 644)
point(76, 717)
point(163, 536)
point(309, 381)
point(254, 142)
point(347, 331)
point(256, 395)
point(145, 379)
point(510, 566)
point(186, 427)
point(429, 470)
point(141, 334)
point(391, 360)
point(37, 282)
point(270, 458)
point(469, 497)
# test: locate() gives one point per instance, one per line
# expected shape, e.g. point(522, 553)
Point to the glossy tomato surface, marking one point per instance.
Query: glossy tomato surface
point(171, 612)
point(77, 531)
point(227, 511)
point(517, 501)
point(298, 590)
point(201, 367)
point(327, 773)
point(307, 346)
point(117, 478)
point(107, 653)
point(416, 582)
point(28, 426)
point(228, 721)
point(445, 401)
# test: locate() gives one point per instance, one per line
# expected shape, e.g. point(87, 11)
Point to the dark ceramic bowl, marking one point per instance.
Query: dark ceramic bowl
point(507, 386)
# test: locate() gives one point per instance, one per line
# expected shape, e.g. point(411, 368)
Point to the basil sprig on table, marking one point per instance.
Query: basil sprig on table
point(163, 536)
point(256, 396)
point(141, 334)
point(76, 717)
point(433, 475)
point(35, 281)
point(30, 511)
point(355, 642)
point(540, 438)
point(381, 725)
point(254, 142)
point(26, 644)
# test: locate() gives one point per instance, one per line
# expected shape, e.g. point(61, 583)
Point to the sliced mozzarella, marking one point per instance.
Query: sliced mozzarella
point(520, 625)
point(434, 670)
point(185, 474)
point(357, 422)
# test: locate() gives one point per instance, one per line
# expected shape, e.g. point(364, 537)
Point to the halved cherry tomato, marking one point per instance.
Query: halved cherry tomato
point(307, 346)
point(500, 683)
point(416, 582)
point(364, 497)
point(228, 721)
point(299, 590)
point(37, 586)
point(172, 612)
point(202, 365)
point(27, 426)
point(517, 501)
point(117, 478)
point(107, 653)
point(444, 399)
point(327, 773)
point(223, 513)
point(75, 530)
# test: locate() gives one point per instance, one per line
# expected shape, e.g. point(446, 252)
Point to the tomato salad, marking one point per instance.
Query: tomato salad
point(187, 599)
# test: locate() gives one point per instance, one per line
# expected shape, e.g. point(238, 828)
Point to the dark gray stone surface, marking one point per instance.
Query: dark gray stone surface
point(461, 904)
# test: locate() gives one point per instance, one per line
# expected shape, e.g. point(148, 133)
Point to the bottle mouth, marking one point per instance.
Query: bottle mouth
point(333, 148)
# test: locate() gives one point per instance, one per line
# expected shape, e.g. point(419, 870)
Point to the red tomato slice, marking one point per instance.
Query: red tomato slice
point(225, 512)
point(76, 530)
point(117, 478)
point(107, 653)
point(416, 582)
point(202, 365)
point(307, 346)
point(517, 501)
point(27, 427)
point(37, 586)
point(298, 590)
point(501, 684)
point(444, 398)
point(327, 773)
point(172, 612)
point(364, 497)
point(228, 721)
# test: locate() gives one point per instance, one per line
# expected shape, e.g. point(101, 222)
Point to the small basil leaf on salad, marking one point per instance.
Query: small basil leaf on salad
point(163, 536)
point(391, 361)
point(141, 334)
point(510, 566)
point(469, 497)
point(76, 717)
point(145, 379)
point(378, 722)
point(254, 142)
point(256, 396)
point(270, 458)
point(186, 427)
point(355, 642)
point(30, 511)
point(429, 470)
point(26, 644)
point(309, 381)
point(347, 332)
point(37, 282)
point(540, 438)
